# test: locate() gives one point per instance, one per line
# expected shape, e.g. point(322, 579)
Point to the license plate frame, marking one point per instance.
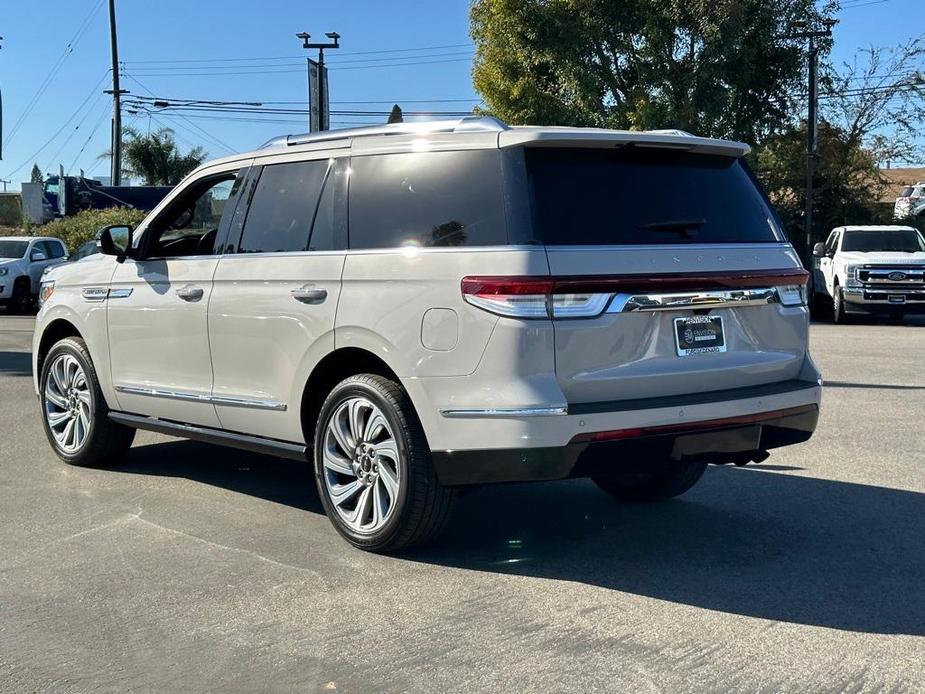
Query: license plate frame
point(896, 298)
point(690, 335)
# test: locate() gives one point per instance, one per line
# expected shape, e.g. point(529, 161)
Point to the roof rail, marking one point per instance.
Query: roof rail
point(468, 124)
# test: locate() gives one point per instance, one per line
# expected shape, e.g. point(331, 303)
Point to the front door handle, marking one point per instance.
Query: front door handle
point(190, 293)
point(310, 294)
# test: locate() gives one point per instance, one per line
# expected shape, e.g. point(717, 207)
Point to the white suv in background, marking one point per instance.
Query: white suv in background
point(870, 270)
point(481, 303)
point(23, 260)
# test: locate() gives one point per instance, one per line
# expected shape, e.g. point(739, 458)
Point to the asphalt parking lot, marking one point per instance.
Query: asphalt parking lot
point(194, 568)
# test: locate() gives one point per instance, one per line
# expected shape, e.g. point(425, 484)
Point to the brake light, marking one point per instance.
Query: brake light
point(589, 296)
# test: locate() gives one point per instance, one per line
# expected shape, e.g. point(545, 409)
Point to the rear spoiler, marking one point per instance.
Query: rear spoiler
point(593, 137)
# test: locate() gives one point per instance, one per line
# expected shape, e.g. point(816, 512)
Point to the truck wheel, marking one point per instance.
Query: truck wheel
point(373, 467)
point(20, 297)
point(838, 307)
point(75, 414)
point(670, 480)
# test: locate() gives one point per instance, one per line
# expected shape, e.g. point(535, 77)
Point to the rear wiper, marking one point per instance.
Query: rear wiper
point(684, 226)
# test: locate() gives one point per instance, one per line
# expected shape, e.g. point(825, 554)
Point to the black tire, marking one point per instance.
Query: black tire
point(670, 480)
point(21, 297)
point(423, 506)
point(896, 318)
point(105, 441)
point(821, 306)
point(839, 317)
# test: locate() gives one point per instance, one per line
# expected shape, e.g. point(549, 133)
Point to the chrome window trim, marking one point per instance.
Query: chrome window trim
point(505, 412)
point(201, 397)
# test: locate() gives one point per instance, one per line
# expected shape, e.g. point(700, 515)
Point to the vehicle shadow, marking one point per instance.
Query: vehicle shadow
point(744, 541)
point(16, 363)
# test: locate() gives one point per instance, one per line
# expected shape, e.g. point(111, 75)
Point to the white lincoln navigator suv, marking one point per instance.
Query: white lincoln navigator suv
point(418, 307)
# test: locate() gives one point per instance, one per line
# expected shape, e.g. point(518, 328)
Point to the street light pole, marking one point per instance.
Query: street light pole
point(323, 111)
point(812, 123)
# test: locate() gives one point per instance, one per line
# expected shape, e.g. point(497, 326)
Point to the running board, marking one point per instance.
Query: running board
point(254, 444)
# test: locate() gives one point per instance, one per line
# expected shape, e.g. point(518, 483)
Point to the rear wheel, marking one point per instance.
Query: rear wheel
point(670, 480)
point(373, 467)
point(75, 414)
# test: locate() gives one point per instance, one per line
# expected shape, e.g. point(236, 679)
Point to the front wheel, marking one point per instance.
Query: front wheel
point(373, 467)
point(74, 412)
point(838, 307)
point(666, 482)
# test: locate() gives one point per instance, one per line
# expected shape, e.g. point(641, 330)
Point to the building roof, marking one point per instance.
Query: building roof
point(897, 179)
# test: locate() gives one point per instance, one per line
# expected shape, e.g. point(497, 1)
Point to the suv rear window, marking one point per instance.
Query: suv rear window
point(907, 191)
point(637, 195)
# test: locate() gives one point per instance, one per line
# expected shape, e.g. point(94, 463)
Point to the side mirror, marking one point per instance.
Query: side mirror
point(37, 257)
point(116, 240)
point(819, 250)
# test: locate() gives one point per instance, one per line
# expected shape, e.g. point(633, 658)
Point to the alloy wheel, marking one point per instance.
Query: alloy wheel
point(360, 462)
point(68, 403)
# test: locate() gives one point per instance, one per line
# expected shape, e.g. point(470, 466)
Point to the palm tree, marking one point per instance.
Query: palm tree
point(155, 157)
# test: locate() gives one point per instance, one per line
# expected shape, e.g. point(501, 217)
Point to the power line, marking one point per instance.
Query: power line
point(252, 66)
point(77, 127)
point(211, 73)
point(290, 57)
point(55, 69)
point(61, 129)
point(87, 141)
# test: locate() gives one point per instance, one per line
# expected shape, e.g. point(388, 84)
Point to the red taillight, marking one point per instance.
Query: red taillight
point(588, 296)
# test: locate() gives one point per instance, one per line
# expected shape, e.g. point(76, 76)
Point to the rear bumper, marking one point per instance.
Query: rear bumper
point(714, 429)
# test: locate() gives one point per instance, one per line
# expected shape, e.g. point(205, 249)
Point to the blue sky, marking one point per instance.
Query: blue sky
point(415, 53)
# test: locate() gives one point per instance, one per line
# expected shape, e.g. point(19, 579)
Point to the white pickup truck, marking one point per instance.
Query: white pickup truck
point(865, 270)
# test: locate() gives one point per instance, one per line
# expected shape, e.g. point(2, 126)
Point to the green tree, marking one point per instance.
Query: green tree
point(36, 175)
point(395, 116)
point(715, 68)
point(155, 157)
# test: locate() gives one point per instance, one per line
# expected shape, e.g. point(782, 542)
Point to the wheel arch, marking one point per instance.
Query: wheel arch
point(56, 330)
point(331, 370)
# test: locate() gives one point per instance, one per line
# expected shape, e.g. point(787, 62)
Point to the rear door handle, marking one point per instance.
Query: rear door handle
point(190, 293)
point(310, 294)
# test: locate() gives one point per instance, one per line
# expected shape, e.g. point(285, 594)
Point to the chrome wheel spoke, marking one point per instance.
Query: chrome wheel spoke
point(389, 481)
point(363, 509)
point(342, 493)
point(375, 425)
point(354, 409)
point(339, 430)
point(58, 418)
point(387, 449)
point(337, 463)
point(54, 398)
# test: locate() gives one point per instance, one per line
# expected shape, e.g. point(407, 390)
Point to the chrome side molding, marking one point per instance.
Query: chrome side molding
point(506, 412)
point(720, 298)
point(201, 397)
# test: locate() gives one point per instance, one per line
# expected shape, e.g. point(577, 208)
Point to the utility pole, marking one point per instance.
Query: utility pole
point(1, 122)
point(812, 122)
point(116, 100)
point(322, 79)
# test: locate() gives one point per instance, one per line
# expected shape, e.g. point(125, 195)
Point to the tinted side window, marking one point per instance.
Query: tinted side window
point(329, 231)
point(427, 199)
point(56, 249)
point(280, 215)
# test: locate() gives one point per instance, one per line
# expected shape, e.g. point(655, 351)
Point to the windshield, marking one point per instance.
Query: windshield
point(900, 240)
point(644, 195)
point(13, 249)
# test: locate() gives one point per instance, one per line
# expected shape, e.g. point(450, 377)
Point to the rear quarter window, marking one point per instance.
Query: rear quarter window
point(426, 199)
point(644, 195)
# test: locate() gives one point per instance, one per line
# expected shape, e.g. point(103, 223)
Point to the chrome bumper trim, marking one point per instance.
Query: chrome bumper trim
point(506, 412)
point(726, 298)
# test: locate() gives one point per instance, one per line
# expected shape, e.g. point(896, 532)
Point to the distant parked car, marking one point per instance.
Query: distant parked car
point(23, 260)
point(911, 202)
point(870, 270)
